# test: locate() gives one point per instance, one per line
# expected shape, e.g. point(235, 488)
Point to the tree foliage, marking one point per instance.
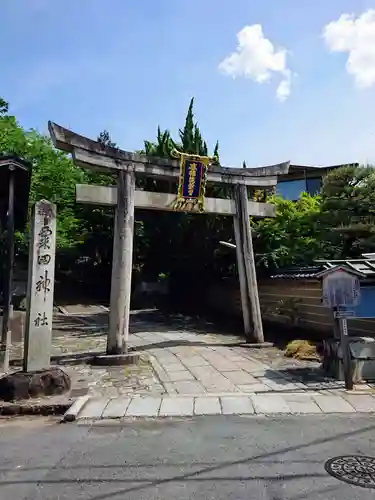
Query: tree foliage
point(169, 235)
point(348, 209)
point(53, 174)
point(293, 237)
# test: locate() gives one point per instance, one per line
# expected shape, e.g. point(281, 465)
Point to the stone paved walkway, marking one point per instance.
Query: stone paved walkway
point(190, 369)
point(191, 360)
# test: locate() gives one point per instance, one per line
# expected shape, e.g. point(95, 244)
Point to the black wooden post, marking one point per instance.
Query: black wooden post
point(8, 274)
point(14, 195)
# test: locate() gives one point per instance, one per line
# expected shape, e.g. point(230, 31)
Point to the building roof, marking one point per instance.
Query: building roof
point(6, 159)
point(308, 272)
point(295, 169)
point(364, 266)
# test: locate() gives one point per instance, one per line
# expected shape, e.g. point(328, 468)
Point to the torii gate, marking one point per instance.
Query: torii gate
point(93, 155)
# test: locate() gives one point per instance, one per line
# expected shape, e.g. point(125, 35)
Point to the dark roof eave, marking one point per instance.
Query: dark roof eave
point(8, 158)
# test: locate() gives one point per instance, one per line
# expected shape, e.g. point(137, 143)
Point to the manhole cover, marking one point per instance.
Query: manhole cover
point(353, 469)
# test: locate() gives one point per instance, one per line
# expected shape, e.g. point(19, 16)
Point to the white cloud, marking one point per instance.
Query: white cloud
point(257, 58)
point(355, 36)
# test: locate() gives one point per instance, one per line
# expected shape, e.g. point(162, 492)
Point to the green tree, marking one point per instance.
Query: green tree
point(169, 235)
point(3, 107)
point(53, 174)
point(293, 237)
point(105, 139)
point(162, 147)
point(348, 210)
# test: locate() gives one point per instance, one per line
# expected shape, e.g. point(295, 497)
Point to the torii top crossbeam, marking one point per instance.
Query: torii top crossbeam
point(92, 154)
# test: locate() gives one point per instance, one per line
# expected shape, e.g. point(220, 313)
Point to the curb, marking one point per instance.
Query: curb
point(73, 410)
point(45, 409)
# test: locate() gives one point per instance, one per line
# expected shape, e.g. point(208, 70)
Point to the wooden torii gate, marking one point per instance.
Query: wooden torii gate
point(125, 198)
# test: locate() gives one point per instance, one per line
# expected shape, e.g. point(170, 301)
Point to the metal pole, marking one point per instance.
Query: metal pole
point(346, 357)
point(8, 278)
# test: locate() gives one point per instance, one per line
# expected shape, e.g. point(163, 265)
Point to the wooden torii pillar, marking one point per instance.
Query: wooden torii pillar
point(125, 197)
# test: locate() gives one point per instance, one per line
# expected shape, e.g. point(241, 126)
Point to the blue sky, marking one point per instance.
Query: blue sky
point(129, 65)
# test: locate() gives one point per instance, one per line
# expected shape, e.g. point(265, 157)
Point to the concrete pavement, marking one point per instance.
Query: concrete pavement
point(205, 458)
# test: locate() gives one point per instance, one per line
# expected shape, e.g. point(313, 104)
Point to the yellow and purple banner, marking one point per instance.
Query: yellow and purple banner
point(192, 182)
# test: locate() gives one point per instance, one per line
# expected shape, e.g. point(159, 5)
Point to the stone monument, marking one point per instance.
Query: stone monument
point(39, 312)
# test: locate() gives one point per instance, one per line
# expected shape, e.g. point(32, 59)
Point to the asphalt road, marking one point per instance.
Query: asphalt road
point(202, 458)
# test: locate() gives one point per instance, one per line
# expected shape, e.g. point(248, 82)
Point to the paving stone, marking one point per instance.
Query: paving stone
point(254, 388)
point(204, 372)
point(361, 402)
point(188, 387)
point(143, 407)
point(254, 368)
point(232, 356)
point(207, 405)
point(116, 408)
point(364, 387)
point(181, 350)
point(176, 406)
point(333, 404)
point(219, 384)
point(173, 367)
point(259, 372)
point(195, 361)
point(217, 389)
point(301, 403)
point(301, 385)
point(279, 384)
point(236, 405)
point(169, 388)
point(163, 358)
point(240, 377)
point(93, 408)
point(225, 366)
point(278, 374)
point(221, 364)
point(180, 376)
point(171, 336)
point(269, 404)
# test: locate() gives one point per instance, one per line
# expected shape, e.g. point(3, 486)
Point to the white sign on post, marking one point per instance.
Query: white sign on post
point(341, 292)
point(341, 289)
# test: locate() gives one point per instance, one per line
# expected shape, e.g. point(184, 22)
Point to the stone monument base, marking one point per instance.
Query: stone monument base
point(25, 385)
point(362, 352)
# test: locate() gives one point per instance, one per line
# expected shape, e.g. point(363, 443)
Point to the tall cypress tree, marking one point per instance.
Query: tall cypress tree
point(216, 152)
point(187, 134)
point(105, 139)
point(191, 140)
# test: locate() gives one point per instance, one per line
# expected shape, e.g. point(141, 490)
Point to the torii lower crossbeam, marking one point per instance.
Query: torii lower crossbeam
point(125, 198)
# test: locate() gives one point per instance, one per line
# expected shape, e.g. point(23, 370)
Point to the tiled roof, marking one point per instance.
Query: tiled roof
point(364, 266)
point(298, 273)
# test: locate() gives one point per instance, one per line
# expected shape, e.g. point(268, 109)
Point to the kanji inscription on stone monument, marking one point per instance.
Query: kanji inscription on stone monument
point(38, 332)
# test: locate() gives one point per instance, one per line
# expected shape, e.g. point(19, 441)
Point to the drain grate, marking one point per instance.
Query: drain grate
point(353, 469)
